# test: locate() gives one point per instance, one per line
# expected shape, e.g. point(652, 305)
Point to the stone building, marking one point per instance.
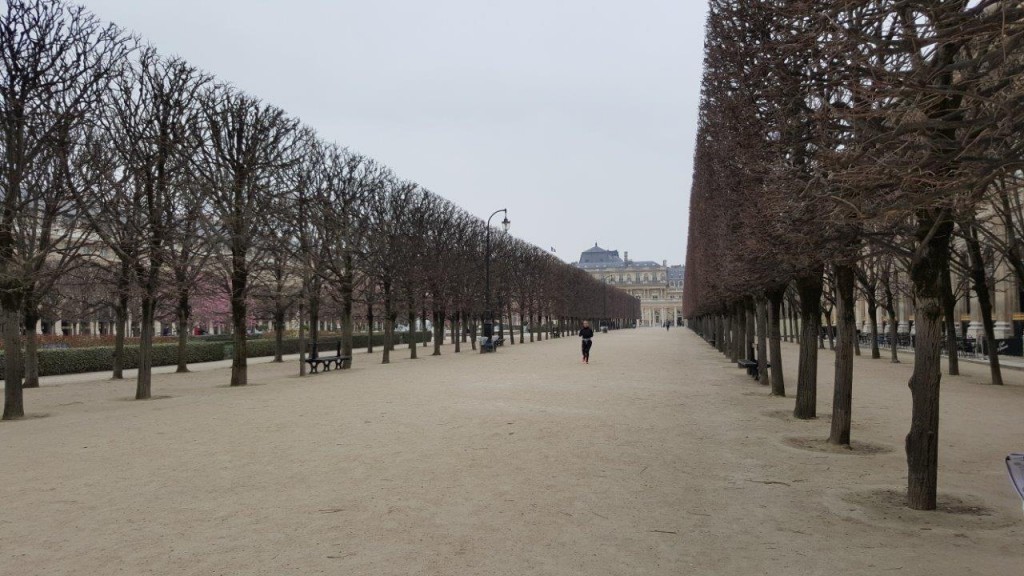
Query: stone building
point(659, 287)
point(1005, 292)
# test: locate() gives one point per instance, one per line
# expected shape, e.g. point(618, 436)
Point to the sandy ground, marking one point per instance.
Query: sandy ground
point(659, 457)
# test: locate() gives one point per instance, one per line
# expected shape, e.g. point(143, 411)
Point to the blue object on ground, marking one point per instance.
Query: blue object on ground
point(1015, 466)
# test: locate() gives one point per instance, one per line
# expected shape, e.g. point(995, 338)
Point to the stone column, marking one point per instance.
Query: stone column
point(1001, 306)
point(976, 329)
point(903, 314)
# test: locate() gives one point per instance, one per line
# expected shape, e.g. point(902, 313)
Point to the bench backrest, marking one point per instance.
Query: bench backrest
point(315, 348)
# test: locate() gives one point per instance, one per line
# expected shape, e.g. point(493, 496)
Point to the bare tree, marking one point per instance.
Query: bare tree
point(189, 252)
point(245, 144)
point(52, 243)
point(344, 182)
point(152, 121)
point(54, 65)
point(934, 96)
point(387, 210)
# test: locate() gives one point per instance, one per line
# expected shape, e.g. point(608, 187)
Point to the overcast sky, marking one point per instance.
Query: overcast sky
point(579, 116)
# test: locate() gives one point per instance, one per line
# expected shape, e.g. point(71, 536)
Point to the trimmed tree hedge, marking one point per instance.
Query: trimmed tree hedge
point(100, 358)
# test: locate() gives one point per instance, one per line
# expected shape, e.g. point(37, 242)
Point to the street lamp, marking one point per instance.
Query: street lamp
point(488, 313)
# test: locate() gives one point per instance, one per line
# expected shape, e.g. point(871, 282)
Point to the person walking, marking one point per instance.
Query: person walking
point(586, 333)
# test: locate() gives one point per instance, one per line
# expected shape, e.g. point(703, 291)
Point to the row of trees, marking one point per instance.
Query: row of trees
point(851, 143)
point(136, 181)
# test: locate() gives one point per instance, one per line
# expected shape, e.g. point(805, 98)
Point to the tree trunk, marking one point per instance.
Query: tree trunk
point(511, 328)
point(314, 310)
point(184, 313)
point(438, 331)
point(239, 312)
point(31, 358)
point(240, 367)
point(829, 331)
point(144, 378)
point(873, 320)
point(14, 406)
point(736, 333)
point(809, 288)
point(345, 290)
point(791, 317)
point(775, 298)
point(981, 289)
point(413, 332)
point(781, 319)
point(922, 444)
point(120, 327)
point(890, 311)
point(302, 339)
point(750, 329)
point(472, 329)
point(762, 342)
point(842, 397)
point(279, 334)
point(423, 314)
point(948, 311)
point(389, 325)
point(454, 329)
point(721, 333)
point(369, 327)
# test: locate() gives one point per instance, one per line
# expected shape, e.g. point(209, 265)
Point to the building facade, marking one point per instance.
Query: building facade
point(659, 287)
point(1005, 293)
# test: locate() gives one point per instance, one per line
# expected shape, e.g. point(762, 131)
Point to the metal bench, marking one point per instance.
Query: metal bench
point(751, 367)
point(315, 360)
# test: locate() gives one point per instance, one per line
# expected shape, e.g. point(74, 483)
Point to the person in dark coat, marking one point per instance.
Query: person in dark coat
point(586, 333)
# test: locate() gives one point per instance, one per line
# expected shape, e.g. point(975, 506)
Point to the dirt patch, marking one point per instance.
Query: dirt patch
point(153, 397)
point(787, 415)
point(762, 392)
point(887, 507)
point(413, 468)
point(29, 417)
point(856, 447)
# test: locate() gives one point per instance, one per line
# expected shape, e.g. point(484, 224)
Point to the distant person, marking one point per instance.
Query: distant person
point(667, 325)
point(586, 333)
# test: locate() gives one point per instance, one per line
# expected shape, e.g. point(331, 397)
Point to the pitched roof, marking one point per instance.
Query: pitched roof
point(598, 257)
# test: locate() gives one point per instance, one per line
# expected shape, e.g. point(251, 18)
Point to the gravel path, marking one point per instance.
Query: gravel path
point(659, 457)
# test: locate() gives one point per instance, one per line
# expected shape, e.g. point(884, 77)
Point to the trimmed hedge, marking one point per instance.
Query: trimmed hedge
point(214, 337)
point(259, 347)
point(101, 358)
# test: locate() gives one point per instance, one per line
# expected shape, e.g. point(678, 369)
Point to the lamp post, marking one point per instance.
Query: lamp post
point(488, 314)
point(604, 298)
